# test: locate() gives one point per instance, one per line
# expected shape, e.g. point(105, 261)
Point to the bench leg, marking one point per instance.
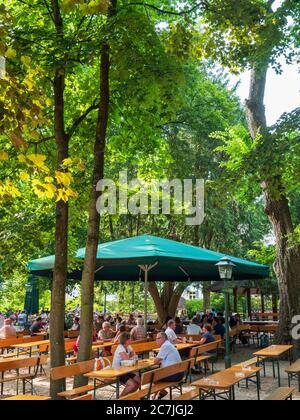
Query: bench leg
point(258, 385)
point(24, 387)
point(2, 384)
point(278, 370)
point(273, 365)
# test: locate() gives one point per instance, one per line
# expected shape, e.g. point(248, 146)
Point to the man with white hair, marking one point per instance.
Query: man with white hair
point(106, 334)
point(138, 333)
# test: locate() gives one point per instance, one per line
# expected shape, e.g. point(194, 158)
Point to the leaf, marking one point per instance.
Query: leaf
point(11, 53)
point(3, 155)
point(64, 178)
point(24, 176)
point(26, 60)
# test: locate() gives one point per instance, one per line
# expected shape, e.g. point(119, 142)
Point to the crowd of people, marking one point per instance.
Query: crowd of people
point(124, 330)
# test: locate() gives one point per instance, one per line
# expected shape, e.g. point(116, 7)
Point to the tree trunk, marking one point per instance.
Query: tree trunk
point(206, 297)
point(274, 307)
point(57, 347)
point(249, 307)
point(87, 297)
point(235, 300)
point(262, 303)
point(287, 264)
point(166, 303)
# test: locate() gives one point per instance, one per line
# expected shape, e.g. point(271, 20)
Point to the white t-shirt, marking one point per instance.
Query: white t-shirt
point(194, 329)
point(168, 354)
point(171, 335)
point(117, 358)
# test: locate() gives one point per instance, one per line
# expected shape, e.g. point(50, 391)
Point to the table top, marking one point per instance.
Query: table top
point(273, 351)
point(181, 346)
point(27, 398)
point(98, 346)
point(227, 378)
point(31, 344)
point(111, 373)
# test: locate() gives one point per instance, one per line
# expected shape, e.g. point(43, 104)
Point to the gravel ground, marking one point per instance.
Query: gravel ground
point(268, 384)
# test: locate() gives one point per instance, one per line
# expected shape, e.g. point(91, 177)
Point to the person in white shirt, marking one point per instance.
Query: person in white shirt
point(194, 328)
point(168, 355)
point(124, 351)
point(170, 332)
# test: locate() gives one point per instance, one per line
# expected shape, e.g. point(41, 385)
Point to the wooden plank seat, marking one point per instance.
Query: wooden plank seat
point(87, 397)
point(281, 394)
point(294, 372)
point(249, 363)
point(13, 354)
point(188, 396)
point(199, 353)
point(27, 398)
point(17, 365)
point(151, 380)
point(71, 359)
point(77, 369)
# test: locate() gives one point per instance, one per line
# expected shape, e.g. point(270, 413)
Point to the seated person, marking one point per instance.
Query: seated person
point(121, 330)
point(106, 335)
point(77, 344)
point(170, 332)
point(219, 328)
point(194, 328)
point(124, 351)
point(207, 338)
point(76, 325)
point(37, 327)
point(179, 326)
point(138, 333)
point(168, 355)
point(8, 330)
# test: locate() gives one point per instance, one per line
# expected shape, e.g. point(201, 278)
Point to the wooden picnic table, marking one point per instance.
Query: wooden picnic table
point(29, 346)
point(274, 353)
point(100, 346)
point(110, 374)
point(226, 380)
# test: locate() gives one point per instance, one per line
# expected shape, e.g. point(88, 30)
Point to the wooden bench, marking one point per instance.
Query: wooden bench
point(73, 334)
point(281, 394)
point(254, 362)
point(198, 353)
point(188, 396)
point(140, 347)
point(87, 397)
point(70, 371)
point(294, 372)
point(152, 380)
point(16, 365)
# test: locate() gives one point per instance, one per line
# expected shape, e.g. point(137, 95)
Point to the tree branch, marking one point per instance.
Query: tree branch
point(80, 119)
point(167, 12)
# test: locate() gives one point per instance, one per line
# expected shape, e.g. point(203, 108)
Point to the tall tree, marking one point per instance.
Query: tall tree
point(254, 35)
